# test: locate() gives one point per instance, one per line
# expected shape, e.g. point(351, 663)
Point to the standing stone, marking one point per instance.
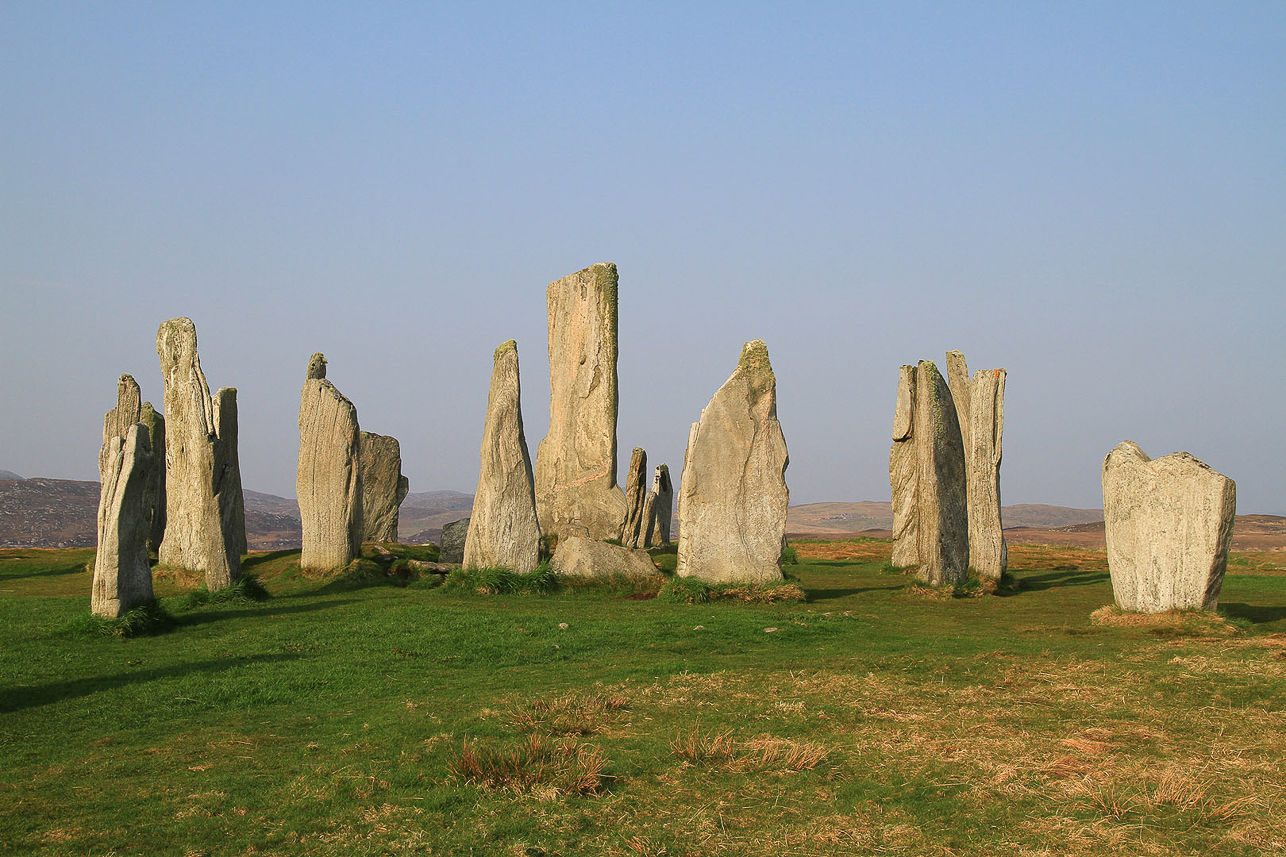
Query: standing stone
point(383, 486)
point(942, 505)
point(904, 470)
point(657, 509)
point(980, 408)
point(454, 536)
point(199, 464)
point(576, 462)
point(122, 576)
point(503, 529)
point(634, 529)
point(232, 503)
point(328, 481)
point(128, 410)
point(155, 424)
point(1168, 523)
point(733, 494)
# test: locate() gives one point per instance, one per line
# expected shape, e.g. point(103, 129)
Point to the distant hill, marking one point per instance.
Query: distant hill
point(822, 519)
point(6, 475)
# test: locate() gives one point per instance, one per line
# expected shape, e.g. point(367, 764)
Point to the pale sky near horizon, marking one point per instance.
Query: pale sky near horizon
point(1091, 195)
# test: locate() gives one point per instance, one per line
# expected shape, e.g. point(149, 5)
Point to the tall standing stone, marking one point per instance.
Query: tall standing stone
point(232, 502)
point(383, 486)
point(328, 481)
point(1168, 524)
point(199, 465)
point(503, 528)
point(980, 408)
point(657, 509)
point(942, 505)
point(634, 528)
point(576, 462)
point(904, 469)
point(733, 494)
point(122, 576)
point(155, 425)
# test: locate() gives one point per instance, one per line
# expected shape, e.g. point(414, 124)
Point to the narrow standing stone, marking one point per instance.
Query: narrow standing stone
point(155, 424)
point(942, 513)
point(980, 407)
point(383, 486)
point(328, 481)
point(657, 509)
point(733, 494)
point(904, 470)
point(196, 461)
point(635, 494)
point(232, 502)
point(576, 462)
point(503, 528)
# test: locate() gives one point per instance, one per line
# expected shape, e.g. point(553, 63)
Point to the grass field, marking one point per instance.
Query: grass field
point(376, 715)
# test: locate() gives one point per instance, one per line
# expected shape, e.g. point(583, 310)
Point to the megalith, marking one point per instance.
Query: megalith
point(232, 502)
point(383, 486)
point(657, 509)
point(733, 494)
point(154, 422)
point(587, 558)
point(127, 494)
point(1169, 524)
point(328, 481)
point(576, 462)
point(201, 478)
point(454, 535)
point(634, 528)
point(980, 409)
point(503, 528)
point(927, 474)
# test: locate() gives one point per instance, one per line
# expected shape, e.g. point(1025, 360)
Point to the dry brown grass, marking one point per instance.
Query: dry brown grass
point(1057, 558)
point(538, 764)
point(856, 550)
point(571, 714)
point(764, 753)
point(1170, 622)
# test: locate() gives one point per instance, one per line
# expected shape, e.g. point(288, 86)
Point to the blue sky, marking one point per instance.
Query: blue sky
point(1090, 195)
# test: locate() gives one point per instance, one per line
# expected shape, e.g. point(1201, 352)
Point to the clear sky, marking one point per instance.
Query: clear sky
point(1091, 195)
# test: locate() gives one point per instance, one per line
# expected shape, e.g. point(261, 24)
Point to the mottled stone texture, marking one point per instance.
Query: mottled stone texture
point(454, 536)
point(903, 471)
point(232, 503)
point(657, 509)
point(581, 557)
point(733, 495)
point(576, 462)
point(1169, 524)
point(328, 481)
point(634, 530)
point(199, 465)
point(383, 486)
point(155, 425)
point(503, 529)
point(980, 408)
point(126, 468)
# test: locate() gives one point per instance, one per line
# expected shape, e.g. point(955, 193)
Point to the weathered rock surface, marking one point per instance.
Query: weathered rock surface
point(328, 481)
point(383, 486)
point(580, 557)
point(733, 494)
point(576, 462)
point(634, 530)
point(1169, 524)
point(454, 536)
point(503, 528)
point(942, 505)
point(197, 465)
point(980, 408)
point(155, 425)
point(904, 470)
point(232, 501)
point(657, 509)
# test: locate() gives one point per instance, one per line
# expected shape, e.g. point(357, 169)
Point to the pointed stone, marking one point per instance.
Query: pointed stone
point(980, 408)
point(733, 494)
point(657, 509)
point(503, 528)
point(634, 529)
point(942, 514)
point(128, 410)
point(383, 486)
point(155, 425)
point(196, 458)
point(904, 470)
point(576, 462)
point(122, 575)
point(328, 481)
point(1168, 524)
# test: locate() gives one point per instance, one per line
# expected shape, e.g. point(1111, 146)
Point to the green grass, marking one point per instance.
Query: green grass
point(367, 713)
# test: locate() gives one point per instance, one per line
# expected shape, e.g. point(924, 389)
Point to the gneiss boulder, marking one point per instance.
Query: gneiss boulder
point(580, 557)
point(576, 491)
point(1168, 524)
point(980, 407)
point(503, 530)
point(733, 495)
point(383, 486)
point(454, 536)
point(202, 484)
point(328, 481)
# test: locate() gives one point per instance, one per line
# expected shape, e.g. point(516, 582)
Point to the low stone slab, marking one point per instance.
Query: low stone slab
point(1168, 524)
point(576, 556)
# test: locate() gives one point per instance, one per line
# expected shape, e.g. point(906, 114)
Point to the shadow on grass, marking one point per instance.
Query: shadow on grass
point(78, 568)
point(203, 616)
point(260, 558)
point(32, 697)
point(1259, 614)
point(1040, 581)
point(830, 594)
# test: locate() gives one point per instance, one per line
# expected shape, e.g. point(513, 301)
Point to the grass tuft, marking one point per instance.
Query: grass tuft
point(766, 753)
point(1171, 623)
point(503, 581)
point(536, 765)
point(689, 590)
point(148, 618)
point(570, 714)
point(245, 589)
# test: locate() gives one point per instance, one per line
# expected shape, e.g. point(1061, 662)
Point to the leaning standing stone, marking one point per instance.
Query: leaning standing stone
point(196, 462)
point(733, 494)
point(980, 407)
point(1168, 523)
point(634, 527)
point(576, 462)
point(503, 530)
point(328, 482)
point(383, 486)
